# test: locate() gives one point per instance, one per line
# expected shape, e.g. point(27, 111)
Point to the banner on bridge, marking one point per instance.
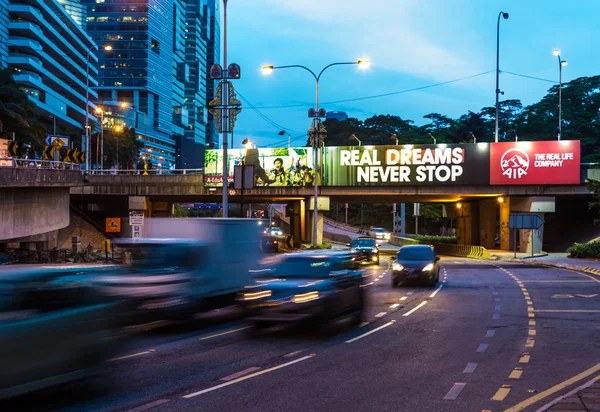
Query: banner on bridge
point(505, 163)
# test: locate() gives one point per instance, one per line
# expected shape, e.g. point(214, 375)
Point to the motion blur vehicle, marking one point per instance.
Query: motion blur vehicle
point(366, 250)
point(416, 263)
point(269, 244)
point(54, 326)
point(195, 265)
point(274, 231)
point(317, 287)
point(380, 234)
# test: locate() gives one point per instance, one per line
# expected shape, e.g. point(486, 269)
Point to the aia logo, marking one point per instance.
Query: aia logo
point(514, 163)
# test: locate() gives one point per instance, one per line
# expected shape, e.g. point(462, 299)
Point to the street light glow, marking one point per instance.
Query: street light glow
point(458, 205)
point(124, 105)
point(247, 144)
point(267, 69)
point(363, 63)
point(98, 110)
point(563, 63)
point(108, 48)
point(556, 52)
point(118, 129)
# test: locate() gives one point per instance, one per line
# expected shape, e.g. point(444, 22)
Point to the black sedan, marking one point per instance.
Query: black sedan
point(416, 263)
point(366, 250)
point(269, 244)
point(314, 287)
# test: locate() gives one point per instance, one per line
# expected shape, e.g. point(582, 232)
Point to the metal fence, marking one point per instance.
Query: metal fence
point(153, 172)
point(10, 162)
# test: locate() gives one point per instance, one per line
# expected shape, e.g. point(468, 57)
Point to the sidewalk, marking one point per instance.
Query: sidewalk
point(586, 399)
point(551, 259)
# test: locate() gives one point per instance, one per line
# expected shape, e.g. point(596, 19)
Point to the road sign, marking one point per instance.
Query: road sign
point(12, 149)
point(243, 177)
point(231, 192)
point(525, 221)
point(71, 153)
point(397, 219)
point(48, 153)
point(417, 211)
point(51, 139)
point(80, 157)
point(136, 219)
point(397, 228)
point(113, 225)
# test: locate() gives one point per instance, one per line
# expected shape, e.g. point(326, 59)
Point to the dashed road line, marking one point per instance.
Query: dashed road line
point(149, 405)
point(501, 393)
point(403, 298)
point(497, 307)
point(455, 391)
point(243, 378)
point(496, 316)
point(516, 373)
point(530, 343)
point(380, 314)
point(436, 291)
point(240, 373)
point(420, 305)
point(532, 332)
point(370, 332)
point(471, 366)
point(490, 333)
point(394, 306)
point(224, 333)
point(496, 299)
point(482, 348)
point(291, 355)
point(134, 355)
point(525, 357)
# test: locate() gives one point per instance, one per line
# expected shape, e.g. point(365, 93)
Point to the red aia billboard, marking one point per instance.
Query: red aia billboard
point(535, 163)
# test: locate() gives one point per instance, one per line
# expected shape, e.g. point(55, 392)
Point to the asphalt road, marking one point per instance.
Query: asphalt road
point(450, 348)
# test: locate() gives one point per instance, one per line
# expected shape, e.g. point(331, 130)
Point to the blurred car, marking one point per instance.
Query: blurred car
point(321, 287)
point(416, 263)
point(274, 231)
point(365, 249)
point(380, 234)
point(54, 327)
point(269, 244)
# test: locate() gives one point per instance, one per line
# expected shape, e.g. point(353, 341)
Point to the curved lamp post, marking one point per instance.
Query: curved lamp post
point(505, 16)
point(561, 63)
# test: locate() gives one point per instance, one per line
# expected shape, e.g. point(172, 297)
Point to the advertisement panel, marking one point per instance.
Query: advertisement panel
point(4, 153)
point(535, 163)
point(408, 165)
point(272, 167)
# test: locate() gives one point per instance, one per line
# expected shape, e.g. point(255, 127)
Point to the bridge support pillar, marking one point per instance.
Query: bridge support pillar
point(297, 212)
point(467, 225)
point(506, 234)
point(323, 206)
point(531, 241)
point(487, 223)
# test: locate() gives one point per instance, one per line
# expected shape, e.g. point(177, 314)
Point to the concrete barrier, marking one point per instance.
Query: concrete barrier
point(402, 241)
point(337, 237)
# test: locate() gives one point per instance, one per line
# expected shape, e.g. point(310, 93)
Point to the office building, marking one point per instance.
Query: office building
point(49, 54)
point(149, 53)
point(75, 9)
point(213, 56)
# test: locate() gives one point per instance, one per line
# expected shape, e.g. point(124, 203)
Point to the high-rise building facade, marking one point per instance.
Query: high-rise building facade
point(75, 9)
point(50, 55)
point(145, 61)
point(213, 57)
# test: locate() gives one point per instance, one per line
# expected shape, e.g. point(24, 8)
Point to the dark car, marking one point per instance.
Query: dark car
point(416, 263)
point(318, 287)
point(366, 250)
point(269, 244)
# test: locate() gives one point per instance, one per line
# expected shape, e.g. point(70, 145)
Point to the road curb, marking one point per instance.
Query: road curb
point(577, 268)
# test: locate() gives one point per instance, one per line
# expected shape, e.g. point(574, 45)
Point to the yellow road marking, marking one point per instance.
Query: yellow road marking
point(554, 389)
point(530, 343)
point(129, 356)
point(532, 322)
point(525, 358)
point(501, 393)
point(224, 333)
point(567, 311)
point(532, 332)
point(516, 373)
point(529, 302)
point(531, 314)
point(559, 281)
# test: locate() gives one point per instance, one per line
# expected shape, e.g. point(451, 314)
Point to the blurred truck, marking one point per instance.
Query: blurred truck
point(184, 266)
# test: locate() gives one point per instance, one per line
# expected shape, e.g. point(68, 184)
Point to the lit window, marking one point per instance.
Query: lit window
point(102, 19)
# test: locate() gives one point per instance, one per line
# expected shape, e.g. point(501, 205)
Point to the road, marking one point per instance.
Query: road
point(451, 348)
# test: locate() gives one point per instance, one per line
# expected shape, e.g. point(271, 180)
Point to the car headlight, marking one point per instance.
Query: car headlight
point(397, 267)
point(428, 267)
point(353, 250)
point(374, 250)
point(305, 297)
point(256, 295)
point(388, 236)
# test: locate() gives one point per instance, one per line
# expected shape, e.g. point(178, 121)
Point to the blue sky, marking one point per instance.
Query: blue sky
point(410, 43)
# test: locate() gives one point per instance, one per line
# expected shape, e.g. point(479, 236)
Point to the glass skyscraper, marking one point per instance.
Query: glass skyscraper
point(213, 56)
point(145, 60)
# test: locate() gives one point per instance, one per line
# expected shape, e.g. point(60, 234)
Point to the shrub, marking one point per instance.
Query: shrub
point(584, 250)
point(436, 239)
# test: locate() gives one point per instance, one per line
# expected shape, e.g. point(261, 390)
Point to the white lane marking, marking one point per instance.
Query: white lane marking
point(497, 307)
point(497, 299)
point(380, 314)
point(419, 306)
point(495, 293)
point(403, 298)
point(496, 316)
point(559, 281)
point(291, 355)
point(129, 356)
point(455, 391)
point(149, 405)
point(240, 373)
point(470, 367)
point(243, 378)
point(566, 395)
point(482, 348)
point(370, 332)
point(566, 311)
point(410, 293)
point(394, 306)
point(490, 333)
point(224, 333)
point(436, 291)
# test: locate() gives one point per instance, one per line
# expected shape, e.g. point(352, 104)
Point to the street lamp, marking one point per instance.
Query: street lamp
point(353, 137)
point(362, 63)
point(126, 105)
point(561, 63)
point(472, 136)
point(505, 16)
point(118, 129)
point(101, 113)
point(431, 137)
point(283, 133)
point(394, 137)
point(87, 106)
point(247, 144)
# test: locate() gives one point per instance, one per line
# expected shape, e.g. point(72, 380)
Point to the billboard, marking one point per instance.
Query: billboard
point(452, 164)
point(272, 167)
point(535, 163)
point(4, 153)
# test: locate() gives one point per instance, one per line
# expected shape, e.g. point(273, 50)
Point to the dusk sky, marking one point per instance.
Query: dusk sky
point(410, 44)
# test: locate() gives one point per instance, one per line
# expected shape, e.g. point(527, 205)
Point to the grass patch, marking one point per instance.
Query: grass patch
point(436, 239)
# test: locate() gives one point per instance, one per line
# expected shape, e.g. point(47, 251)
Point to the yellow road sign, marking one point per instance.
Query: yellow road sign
point(58, 143)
